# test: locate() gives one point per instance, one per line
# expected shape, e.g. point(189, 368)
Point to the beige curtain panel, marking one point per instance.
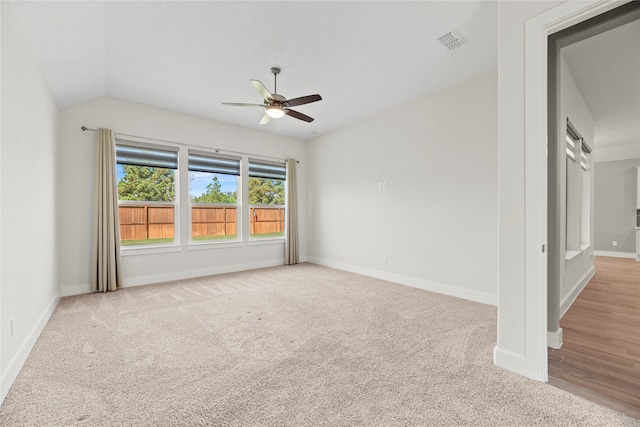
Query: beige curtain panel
point(291, 228)
point(106, 222)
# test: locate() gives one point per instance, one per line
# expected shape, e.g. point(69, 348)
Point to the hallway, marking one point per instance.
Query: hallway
point(600, 355)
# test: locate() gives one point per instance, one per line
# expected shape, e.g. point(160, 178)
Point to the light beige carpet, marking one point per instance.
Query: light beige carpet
point(300, 345)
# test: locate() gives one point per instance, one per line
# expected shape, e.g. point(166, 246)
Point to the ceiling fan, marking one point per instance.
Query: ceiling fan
point(276, 105)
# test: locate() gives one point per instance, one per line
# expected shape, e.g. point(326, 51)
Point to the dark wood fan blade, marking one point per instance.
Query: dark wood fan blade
point(262, 89)
point(298, 115)
point(302, 100)
point(241, 104)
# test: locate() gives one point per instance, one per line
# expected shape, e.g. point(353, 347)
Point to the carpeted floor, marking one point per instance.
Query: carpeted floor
point(301, 345)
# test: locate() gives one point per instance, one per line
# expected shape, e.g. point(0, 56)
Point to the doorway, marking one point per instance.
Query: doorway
point(570, 262)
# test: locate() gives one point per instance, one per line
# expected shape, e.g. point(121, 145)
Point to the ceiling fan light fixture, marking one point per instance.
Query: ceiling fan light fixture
point(275, 111)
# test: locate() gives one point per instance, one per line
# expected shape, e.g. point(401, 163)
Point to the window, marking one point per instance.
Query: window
point(585, 156)
point(266, 199)
point(571, 140)
point(585, 211)
point(146, 176)
point(578, 192)
point(213, 193)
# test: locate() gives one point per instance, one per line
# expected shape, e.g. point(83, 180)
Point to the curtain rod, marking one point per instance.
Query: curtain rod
point(217, 150)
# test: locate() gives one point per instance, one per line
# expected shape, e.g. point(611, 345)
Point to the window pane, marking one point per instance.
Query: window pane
point(146, 196)
point(267, 207)
point(214, 209)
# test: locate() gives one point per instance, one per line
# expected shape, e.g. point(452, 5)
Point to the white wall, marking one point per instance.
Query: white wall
point(77, 151)
point(28, 280)
point(436, 221)
point(615, 195)
point(611, 153)
point(579, 269)
point(521, 343)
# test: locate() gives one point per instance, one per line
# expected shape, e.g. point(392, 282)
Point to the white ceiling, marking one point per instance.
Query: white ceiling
point(189, 56)
point(362, 57)
point(606, 68)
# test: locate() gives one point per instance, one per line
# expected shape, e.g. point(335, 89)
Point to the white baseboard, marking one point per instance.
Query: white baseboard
point(440, 288)
point(178, 275)
point(518, 364)
point(68, 291)
point(181, 275)
point(571, 297)
point(15, 365)
point(615, 254)
point(554, 338)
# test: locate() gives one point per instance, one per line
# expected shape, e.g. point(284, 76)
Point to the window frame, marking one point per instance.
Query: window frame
point(145, 145)
point(238, 205)
point(266, 169)
point(577, 193)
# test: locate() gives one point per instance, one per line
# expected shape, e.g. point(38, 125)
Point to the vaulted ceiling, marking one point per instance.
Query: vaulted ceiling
point(190, 56)
point(362, 57)
point(606, 69)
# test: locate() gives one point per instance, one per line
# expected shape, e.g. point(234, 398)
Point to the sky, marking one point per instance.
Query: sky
point(198, 181)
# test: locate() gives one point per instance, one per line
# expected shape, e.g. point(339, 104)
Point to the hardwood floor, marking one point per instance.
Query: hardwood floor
point(600, 355)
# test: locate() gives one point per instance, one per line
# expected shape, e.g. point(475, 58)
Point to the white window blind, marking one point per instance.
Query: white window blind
point(584, 156)
point(146, 156)
point(269, 170)
point(572, 140)
point(203, 162)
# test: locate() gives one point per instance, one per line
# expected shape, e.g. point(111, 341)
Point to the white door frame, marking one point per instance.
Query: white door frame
point(537, 31)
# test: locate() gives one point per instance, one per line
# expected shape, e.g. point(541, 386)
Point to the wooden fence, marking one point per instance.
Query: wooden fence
point(141, 222)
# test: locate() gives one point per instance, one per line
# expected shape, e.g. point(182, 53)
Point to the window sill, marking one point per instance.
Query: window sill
point(571, 257)
point(274, 241)
point(144, 250)
point(201, 246)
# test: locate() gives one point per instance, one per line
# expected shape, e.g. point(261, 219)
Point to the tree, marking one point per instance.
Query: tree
point(214, 195)
point(147, 184)
point(265, 191)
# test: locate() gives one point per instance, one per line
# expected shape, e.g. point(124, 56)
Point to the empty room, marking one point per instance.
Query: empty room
point(315, 213)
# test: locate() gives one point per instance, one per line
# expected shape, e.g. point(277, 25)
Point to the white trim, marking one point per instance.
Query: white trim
point(15, 365)
point(257, 241)
point(566, 303)
point(199, 245)
point(554, 338)
point(180, 275)
point(454, 291)
point(615, 254)
point(570, 255)
point(135, 250)
point(80, 289)
point(512, 362)
point(533, 361)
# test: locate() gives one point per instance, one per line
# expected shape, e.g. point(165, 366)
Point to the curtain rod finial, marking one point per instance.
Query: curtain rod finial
point(83, 128)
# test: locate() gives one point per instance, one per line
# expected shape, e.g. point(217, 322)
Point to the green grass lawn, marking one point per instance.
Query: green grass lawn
point(145, 242)
point(197, 238)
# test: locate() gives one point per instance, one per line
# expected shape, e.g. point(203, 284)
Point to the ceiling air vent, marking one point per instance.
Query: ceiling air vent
point(452, 40)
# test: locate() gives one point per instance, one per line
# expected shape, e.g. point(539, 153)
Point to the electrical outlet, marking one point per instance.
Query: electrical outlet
point(379, 186)
point(384, 185)
point(384, 259)
point(136, 263)
point(614, 243)
point(13, 324)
